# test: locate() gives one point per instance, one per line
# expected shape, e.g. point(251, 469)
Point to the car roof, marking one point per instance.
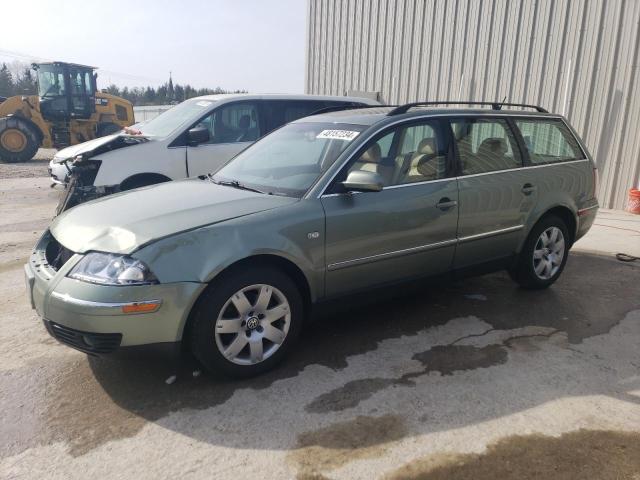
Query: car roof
point(371, 116)
point(283, 96)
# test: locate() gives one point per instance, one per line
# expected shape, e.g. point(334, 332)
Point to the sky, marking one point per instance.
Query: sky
point(254, 45)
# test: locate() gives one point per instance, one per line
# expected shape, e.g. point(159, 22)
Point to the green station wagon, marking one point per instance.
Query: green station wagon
point(230, 264)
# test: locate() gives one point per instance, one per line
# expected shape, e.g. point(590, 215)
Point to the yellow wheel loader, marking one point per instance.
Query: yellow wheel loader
point(67, 110)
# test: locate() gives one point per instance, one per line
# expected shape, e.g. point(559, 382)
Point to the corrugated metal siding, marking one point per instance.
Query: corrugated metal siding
point(145, 113)
point(577, 57)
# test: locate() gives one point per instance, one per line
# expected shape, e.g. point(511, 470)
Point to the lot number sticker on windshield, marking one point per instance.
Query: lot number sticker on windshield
point(347, 135)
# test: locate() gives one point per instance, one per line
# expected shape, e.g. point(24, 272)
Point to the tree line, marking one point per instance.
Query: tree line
point(166, 94)
point(23, 82)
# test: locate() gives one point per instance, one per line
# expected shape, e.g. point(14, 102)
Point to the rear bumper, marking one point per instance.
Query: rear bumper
point(586, 217)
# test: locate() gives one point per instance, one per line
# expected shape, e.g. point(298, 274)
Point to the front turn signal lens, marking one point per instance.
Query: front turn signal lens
point(142, 307)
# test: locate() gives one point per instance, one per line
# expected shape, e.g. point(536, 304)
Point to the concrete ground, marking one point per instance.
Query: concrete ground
point(477, 379)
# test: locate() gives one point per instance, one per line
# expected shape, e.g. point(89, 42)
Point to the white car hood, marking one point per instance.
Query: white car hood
point(91, 145)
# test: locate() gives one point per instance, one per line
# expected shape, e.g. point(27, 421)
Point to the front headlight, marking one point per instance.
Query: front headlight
point(111, 269)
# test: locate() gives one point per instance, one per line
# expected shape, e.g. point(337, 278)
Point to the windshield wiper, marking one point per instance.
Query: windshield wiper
point(234, 184)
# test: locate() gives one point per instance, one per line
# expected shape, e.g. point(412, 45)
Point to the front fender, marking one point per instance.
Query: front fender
point(294, 233)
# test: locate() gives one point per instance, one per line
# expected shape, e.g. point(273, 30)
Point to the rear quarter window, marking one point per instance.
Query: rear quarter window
point(548, 141)
point(280, 112)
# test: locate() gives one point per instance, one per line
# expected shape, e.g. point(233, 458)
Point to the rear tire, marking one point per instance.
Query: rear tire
point(543, 255)
point(107, 129)
point(19, 141)
point(246, 322)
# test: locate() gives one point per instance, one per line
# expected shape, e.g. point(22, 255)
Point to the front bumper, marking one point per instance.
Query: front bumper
point(87, 342)
point(90, 317)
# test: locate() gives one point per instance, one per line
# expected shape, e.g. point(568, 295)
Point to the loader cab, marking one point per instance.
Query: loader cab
point(67, 91)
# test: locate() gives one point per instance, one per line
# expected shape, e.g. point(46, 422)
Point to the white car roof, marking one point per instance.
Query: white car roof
point(224, 97)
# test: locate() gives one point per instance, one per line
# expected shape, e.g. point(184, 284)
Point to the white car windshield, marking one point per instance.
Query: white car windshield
point(167, 122)
point(289, 160)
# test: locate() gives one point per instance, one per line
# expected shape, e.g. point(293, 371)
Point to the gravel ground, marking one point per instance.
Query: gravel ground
point(477, 379)
point(37, 167)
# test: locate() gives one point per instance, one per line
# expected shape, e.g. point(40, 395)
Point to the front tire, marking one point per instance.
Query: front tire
point(246, 322)
point(19, 141)
point(544, 254)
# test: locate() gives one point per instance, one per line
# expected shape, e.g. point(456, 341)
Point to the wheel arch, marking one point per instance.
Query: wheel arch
point(565, 213)
point(127, 183)
point(264, 259)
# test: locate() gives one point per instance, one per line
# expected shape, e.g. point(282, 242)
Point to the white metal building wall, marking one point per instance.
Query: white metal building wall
point(147, 112)
point(576, 57)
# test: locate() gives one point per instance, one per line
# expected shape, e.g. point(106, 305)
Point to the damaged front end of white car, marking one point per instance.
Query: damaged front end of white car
point(81, 169)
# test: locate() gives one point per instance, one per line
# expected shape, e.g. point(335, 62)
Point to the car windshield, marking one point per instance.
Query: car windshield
point(289, 160)
point(167, 122)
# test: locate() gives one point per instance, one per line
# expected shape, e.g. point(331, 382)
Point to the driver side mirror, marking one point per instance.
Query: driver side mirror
point(197, 135)
point(363, 181)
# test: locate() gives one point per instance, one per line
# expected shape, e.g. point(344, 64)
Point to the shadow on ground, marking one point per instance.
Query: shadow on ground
point(89, 402)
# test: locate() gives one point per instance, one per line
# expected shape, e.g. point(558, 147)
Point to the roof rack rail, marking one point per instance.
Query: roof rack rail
point(494, 106)
point(337, 108)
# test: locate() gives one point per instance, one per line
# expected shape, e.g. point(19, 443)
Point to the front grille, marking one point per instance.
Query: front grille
point(56, 254)
point(91, 343)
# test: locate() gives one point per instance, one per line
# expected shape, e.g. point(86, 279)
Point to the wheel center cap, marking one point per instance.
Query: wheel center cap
point(253, 323)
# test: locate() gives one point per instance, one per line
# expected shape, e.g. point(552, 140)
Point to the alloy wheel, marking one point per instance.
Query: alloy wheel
point(252, 324)
point(548, 253)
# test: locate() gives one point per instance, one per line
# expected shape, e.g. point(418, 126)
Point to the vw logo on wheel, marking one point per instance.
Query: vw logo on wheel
point(252, 323)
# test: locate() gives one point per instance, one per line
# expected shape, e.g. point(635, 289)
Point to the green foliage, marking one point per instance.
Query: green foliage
point(165, 94)
point(6, 81)
point(25, 84)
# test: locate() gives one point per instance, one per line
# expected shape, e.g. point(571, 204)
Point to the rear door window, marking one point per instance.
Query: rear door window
point(233, 123)
point(485, 145)
point(548, 141)
point(280, 112)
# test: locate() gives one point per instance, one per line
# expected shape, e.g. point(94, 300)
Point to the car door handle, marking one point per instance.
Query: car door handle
point(446, 203)
point(528, 189)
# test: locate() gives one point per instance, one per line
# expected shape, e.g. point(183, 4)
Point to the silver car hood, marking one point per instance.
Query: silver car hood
point(124, 222)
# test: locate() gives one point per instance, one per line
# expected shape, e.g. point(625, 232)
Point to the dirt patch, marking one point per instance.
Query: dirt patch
point(60, 403)
point(585, 454)
point(37, 167)
point(334, 446)
point(13, 264)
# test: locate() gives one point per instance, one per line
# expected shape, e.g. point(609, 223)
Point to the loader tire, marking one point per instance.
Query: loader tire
point(19, 141)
